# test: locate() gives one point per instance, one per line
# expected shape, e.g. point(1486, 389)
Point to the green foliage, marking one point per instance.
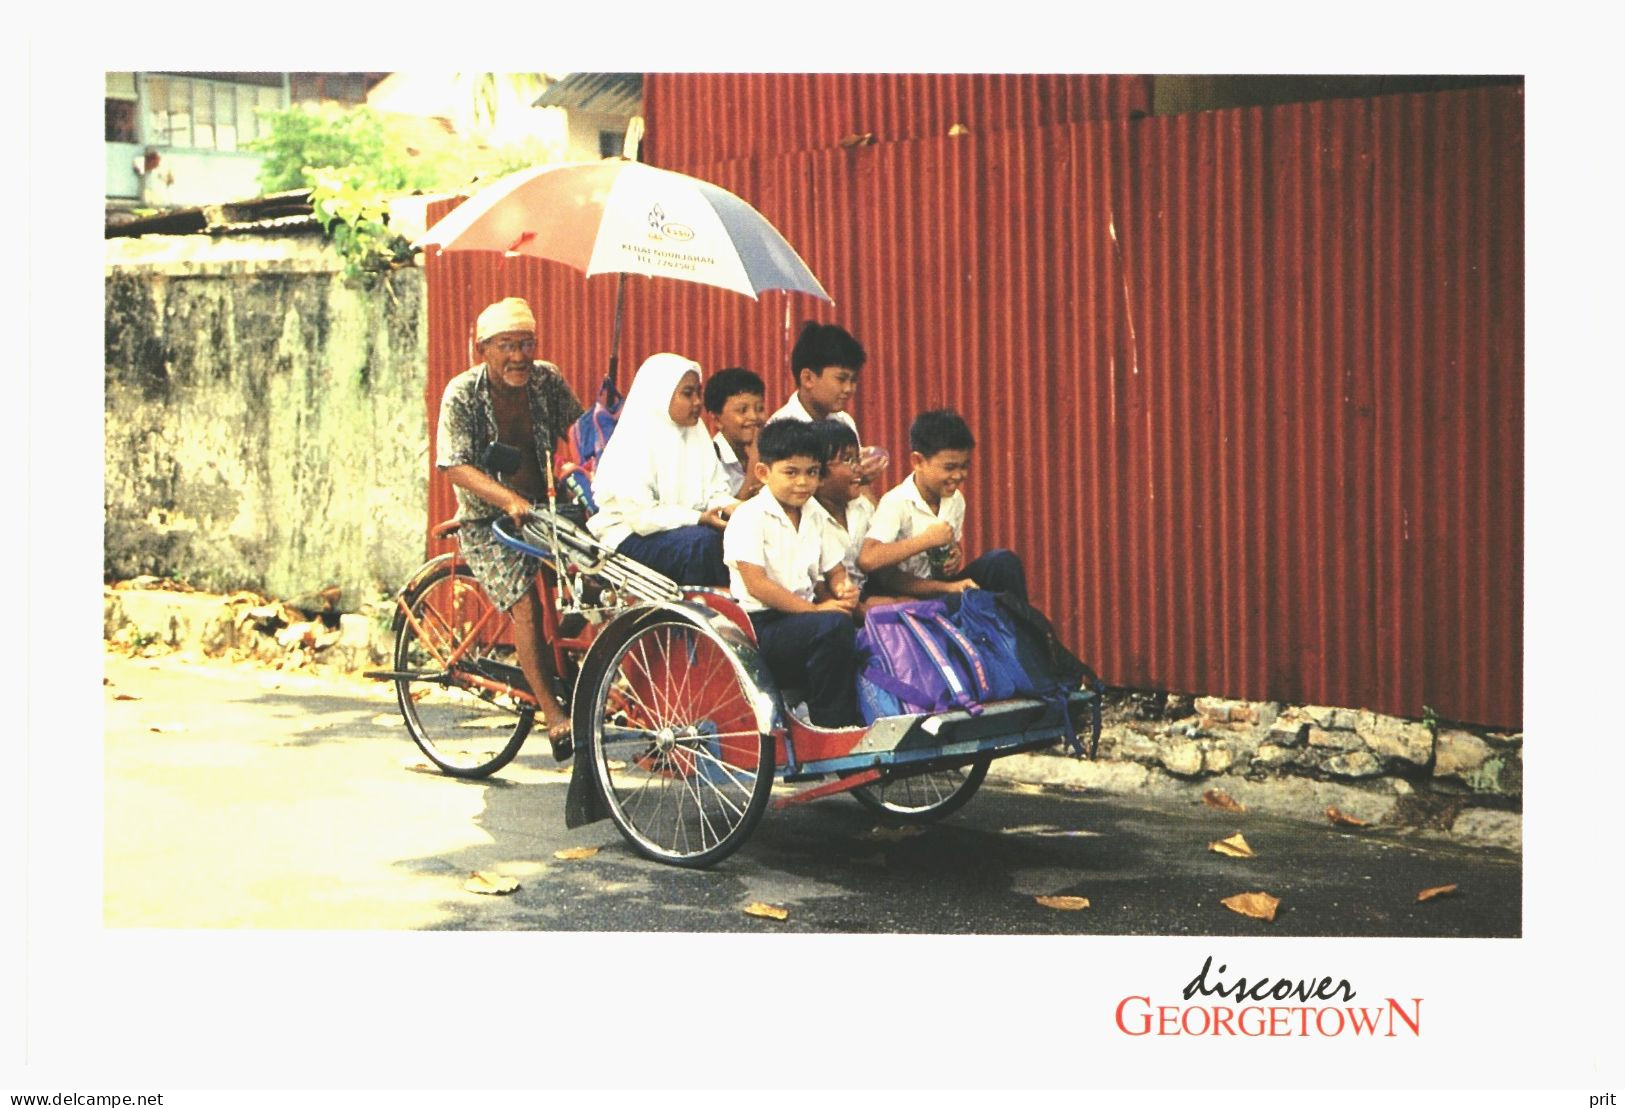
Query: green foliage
point(354, 162)
point(354, 212)
point(301, 140)
point(352, 166)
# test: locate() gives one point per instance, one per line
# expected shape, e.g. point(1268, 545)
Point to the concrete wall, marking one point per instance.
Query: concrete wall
point(265, 424)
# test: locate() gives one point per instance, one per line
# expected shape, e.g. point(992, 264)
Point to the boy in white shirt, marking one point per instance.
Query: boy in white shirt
point(790, 580)
point(824, 366)
point(839, 503)
point(914, 544)
point(734, 397)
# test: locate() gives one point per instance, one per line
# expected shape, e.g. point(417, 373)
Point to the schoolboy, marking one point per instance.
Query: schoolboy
point(791, 582)
point(914, 545)
point(839, 503)
point(824, 367)
point(734, 397)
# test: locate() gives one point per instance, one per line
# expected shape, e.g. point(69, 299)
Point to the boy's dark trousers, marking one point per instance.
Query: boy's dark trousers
point(999, 571)
point(815, 651)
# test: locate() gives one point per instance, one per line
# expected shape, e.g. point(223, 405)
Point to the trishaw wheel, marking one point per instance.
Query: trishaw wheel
point(684, 769)
point(923, 797)
point(449, 635)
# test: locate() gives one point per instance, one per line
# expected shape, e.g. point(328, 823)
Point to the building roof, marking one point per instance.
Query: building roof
point(608, 93)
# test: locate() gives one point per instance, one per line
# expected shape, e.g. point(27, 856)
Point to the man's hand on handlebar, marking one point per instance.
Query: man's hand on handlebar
point(517, 509)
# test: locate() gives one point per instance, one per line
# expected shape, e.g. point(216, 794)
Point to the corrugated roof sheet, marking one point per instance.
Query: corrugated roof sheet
point(611, 93)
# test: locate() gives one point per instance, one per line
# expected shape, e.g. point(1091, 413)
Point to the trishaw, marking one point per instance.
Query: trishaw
point(679, 729)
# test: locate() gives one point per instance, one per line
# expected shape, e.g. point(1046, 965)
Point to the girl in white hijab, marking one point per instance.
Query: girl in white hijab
point(663, 497)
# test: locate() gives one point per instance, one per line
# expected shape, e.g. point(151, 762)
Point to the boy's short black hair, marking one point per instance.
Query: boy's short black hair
point(835, 436)
point(824, 344)
point(789, 438)
point(937, 430)
point(725, 384)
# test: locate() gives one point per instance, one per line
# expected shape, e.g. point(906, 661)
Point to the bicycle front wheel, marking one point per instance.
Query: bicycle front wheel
point(454, 658)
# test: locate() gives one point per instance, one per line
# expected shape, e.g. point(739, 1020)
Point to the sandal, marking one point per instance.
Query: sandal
point(558, 734)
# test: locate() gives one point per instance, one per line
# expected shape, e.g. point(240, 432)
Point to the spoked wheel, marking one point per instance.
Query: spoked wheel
point(684, 770)
point(924, 797)
point(458, 647)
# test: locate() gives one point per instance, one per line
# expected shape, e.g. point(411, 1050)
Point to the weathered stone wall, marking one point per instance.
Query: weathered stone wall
point(265, 424)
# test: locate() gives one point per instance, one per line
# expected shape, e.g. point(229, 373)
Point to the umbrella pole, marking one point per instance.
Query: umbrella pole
point(615, 339)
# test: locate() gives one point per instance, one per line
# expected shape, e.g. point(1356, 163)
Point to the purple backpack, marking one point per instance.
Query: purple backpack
point(912, 659)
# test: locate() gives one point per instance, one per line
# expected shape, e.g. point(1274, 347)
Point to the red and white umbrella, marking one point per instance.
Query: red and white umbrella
point(621, 216)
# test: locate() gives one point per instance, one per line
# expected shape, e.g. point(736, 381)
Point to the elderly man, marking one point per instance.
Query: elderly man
point(513, 399)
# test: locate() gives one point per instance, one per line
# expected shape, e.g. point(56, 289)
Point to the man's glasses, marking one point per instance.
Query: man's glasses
point(509, 346)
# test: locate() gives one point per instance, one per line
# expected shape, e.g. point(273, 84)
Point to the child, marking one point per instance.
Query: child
point(913, 545)
point(662, 495)
point(824, 365)
point(734, 398)
point(839, 503)
point(791, 582)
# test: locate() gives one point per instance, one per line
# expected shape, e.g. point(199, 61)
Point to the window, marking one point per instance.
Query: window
point(610, 143)
point(121, 109)
point(204, 114)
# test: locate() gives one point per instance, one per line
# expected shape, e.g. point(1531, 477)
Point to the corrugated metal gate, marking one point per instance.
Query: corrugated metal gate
point(1248, 383)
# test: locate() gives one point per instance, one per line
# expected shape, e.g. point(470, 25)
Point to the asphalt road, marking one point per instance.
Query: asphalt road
point(242, 797)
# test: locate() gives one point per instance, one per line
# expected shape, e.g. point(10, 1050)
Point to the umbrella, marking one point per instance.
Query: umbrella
point(621, 216)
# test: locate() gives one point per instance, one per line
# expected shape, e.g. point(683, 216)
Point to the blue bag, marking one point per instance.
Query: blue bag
point(991, 630)
point(590, 433)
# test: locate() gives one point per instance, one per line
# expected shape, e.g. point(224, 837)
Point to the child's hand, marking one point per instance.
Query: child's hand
point(956, 560)
point(964, 586)
point(847, 604)
point(938, 534)
point(716, 517)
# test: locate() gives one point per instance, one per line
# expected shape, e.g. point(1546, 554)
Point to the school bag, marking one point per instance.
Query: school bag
point(978, 615)
point(913, 660)
point(590, 433)
point(1053, 671)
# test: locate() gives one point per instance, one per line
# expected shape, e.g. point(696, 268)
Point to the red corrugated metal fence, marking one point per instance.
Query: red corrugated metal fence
point(1247, 384)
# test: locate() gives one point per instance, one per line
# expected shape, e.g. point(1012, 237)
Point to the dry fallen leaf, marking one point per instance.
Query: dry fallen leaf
point(1233, 847)
point(1064, 903)
point(1345, 819)
point(1437, 890)
point(1257, 905)
point(766, 911)
point(573, 853)
point(493, 883)
point(125, 696)
point(1223, 801)
point(166, 728)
